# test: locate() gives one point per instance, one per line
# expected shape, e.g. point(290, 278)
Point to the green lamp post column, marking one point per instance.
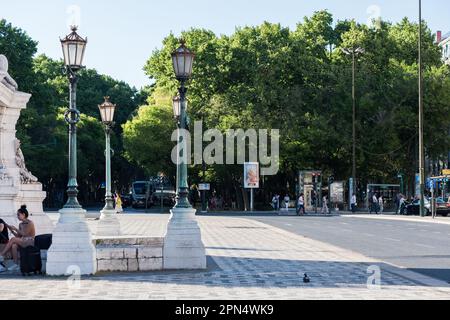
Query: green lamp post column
point(107, 110)
point(73, 49)
point(182, 60)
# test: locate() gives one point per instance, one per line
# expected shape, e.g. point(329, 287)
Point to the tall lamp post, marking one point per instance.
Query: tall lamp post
point(73, 49)
point(109, 224)
point(72, 240)
point(354, 52)
point(421, 121)
point(183, 246)
point(107, 110)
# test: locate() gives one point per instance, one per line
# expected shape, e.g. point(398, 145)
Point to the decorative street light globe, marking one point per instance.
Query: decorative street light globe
point(107, 110)
point(177, 107)
point(73, 47)
point(183, 60)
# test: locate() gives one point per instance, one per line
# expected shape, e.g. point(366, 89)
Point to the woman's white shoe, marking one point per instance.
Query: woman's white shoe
point(2, 268)
point(14, 268)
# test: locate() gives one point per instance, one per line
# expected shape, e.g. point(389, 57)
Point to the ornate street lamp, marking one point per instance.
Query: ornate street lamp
point(107, 110)
point(73, 47)
point(72, 239)
point(183, 245)
point(182, 59)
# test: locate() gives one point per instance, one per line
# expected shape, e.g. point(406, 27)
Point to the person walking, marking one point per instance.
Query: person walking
point(119, 208)
point(402, 204)
point(287, 200)
point(301, 205)
point(353, 203)
point(381, 204)
point(275, 203)
point(397, 203)
point(374, 204)
point(325, 205)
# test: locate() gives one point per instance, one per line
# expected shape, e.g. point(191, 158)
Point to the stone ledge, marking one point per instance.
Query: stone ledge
point(129, 254)
point(128, 241)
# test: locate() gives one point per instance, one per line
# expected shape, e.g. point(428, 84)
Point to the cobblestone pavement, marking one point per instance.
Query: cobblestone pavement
point(247, 260)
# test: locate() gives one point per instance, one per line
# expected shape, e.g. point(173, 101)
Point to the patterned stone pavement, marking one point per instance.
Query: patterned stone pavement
point(247, 260)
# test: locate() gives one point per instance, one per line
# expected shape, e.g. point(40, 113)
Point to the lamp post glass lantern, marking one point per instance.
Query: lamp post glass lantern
point(182, 60)
point(73, 47)
point(107, 110)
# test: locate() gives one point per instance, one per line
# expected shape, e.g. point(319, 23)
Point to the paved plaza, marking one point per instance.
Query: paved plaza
point(247, 259)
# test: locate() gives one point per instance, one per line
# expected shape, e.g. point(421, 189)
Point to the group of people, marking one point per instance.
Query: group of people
point(300, 207)
point(376, 204)
point(23, 237)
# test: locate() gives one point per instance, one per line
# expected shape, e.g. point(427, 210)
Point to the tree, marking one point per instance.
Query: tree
point(147, 140)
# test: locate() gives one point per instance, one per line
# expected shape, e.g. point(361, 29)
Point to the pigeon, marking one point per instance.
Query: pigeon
point(306, 279)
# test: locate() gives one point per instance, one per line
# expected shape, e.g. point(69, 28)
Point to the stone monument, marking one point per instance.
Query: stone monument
point(17, 185)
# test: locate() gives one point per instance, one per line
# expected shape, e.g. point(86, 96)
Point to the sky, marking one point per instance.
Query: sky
point(123, 33)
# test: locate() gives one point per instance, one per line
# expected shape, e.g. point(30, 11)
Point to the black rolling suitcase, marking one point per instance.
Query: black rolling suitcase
point(43, 242)
point(30, 261)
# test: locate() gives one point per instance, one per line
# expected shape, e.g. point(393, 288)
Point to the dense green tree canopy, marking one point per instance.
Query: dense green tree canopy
point(299, 81)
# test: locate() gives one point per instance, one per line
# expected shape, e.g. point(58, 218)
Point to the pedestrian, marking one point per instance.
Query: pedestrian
point(301, 205)
point(275, 202)
point(353, 203)
point(402, 204)
point(119, 208)
point(287, 200)
point(375, 204)
point(381, 204)
point(397, 203)
point(325, 205)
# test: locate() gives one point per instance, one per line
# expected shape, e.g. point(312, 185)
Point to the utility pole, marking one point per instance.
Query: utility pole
point(421, 121)
point(354, 52)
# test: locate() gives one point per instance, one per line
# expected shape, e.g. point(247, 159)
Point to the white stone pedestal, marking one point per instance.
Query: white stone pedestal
point(72, 247)
point(14, 190)
point(183, 246)
point(109, 224)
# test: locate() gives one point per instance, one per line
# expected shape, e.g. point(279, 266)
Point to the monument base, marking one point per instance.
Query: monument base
point(183, 246)
point(109, 224)
point(13, 197)
point(72, 251)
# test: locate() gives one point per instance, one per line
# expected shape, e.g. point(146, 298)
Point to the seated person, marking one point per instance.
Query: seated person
point(23, 237)
point(4, 239)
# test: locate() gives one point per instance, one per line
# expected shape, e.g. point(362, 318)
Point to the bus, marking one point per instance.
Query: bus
point(146, 194)
point(142, 194)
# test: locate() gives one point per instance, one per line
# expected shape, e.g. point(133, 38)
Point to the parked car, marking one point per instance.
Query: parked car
point(413, 209)
point(442, 207)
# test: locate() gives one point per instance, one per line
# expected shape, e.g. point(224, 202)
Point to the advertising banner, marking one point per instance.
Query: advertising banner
point(251, 175)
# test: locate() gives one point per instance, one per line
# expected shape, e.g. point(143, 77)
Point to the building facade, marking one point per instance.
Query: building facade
point(444, 43)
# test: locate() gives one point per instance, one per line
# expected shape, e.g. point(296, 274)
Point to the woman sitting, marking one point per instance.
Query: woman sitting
point(23, 237)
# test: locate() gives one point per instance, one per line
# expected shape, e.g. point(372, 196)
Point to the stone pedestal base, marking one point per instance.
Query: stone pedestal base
point(183, 246)
point(72, 249)
point(13, 197)
point(109, 225)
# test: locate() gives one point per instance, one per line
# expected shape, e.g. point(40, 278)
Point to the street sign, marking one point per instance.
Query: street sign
point(204, 187)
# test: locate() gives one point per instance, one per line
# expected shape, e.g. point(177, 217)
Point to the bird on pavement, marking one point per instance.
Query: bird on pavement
point(306, 279)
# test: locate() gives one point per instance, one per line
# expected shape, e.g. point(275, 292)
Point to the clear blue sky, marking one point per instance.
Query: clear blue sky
point(123, 33)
